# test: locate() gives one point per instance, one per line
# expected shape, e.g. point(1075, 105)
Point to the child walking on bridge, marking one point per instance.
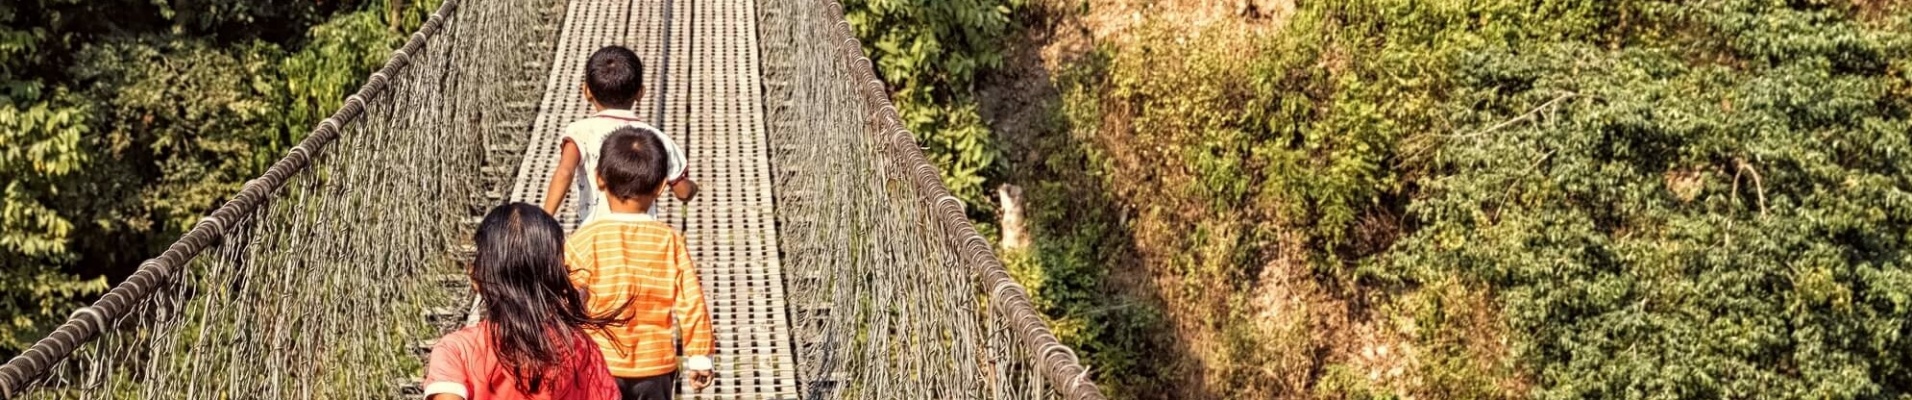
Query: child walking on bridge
point(639, 270)
point(532, 342)
point(613, 81)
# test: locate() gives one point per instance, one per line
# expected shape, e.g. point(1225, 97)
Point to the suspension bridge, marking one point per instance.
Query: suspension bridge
point(836, 263)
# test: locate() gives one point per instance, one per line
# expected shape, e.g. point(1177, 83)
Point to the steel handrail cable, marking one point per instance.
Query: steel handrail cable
point(1059, 364)
point(87, 323)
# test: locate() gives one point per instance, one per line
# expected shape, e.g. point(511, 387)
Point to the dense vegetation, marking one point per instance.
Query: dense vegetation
point(1445, 198)
point(931, 52)
point(1551, 199)
point(123, 121)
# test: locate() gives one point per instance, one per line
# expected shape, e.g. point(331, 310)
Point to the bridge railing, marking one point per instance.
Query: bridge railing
point(1008, 301)
point(421, 133)
point(307, 282)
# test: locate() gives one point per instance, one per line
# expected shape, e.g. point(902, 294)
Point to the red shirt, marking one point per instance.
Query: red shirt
point(464, 363)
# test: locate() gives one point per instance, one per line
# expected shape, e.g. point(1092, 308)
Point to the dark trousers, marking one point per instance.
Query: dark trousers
point(652, 388)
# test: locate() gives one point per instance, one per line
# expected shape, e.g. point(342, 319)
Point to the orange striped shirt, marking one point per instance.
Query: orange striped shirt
point(634, 261)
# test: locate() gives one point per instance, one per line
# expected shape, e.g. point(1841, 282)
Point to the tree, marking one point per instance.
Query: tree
point(116, 134)
point(931, 52)
point(41, 158)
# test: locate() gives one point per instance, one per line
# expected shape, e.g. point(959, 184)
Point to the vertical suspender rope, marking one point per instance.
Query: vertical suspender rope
point(1007, 299)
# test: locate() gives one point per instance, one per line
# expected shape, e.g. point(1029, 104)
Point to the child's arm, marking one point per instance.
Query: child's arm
point(561, 178)
point(679, 171)
point(694, 316)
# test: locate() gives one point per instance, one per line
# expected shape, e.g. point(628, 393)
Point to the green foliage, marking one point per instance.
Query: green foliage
point(1719, 213)
point(189, 110)
point(1346, 383)
point(1076, 235)
point(117, 133)
point(37, 299)
point(1112, 332)
point(931, 52)
point(1216, 163)
point(1657, 199)
point(39, 143)
point(932, 46)
point(319, 76)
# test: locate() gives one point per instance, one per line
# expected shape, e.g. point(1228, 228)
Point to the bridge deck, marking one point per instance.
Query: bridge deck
point(703, 88)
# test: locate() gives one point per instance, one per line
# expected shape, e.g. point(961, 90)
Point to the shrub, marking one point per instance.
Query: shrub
point(930, 53)
point(1707, 206)
point(1660, 199)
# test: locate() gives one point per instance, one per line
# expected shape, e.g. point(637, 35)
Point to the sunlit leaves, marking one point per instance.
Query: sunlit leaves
point(117, 133)
point(1663, 199)
point(37, 297)
point(319, 76)
point(930, 52)
point(1708, 211)
point(39, 145)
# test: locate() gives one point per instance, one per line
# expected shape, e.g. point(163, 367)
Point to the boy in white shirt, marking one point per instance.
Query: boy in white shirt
point(613, 81)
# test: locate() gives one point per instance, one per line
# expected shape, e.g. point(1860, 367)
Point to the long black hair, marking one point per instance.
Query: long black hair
point(535, 316)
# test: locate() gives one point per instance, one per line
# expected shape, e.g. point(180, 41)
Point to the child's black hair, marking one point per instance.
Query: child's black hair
point(632, 163)
point(615, 76)
point(534, 314)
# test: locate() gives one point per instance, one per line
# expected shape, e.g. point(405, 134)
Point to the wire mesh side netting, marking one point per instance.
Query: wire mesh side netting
point(882, 303)
point(325, 287)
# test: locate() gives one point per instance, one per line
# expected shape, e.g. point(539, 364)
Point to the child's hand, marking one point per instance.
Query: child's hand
point(701, 379)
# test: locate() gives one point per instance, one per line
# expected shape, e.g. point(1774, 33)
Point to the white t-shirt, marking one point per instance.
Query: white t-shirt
point(589, 134)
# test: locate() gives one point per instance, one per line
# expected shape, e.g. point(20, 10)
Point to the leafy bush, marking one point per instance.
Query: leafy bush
point(1712, 205)
point(1658, 199)
point(930, 53)
point(117, 133)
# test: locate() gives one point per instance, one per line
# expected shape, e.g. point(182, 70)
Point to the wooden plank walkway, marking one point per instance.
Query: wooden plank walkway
point(711, 103)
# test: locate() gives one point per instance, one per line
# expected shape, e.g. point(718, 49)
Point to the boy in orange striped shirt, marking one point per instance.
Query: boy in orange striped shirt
point(639, 270)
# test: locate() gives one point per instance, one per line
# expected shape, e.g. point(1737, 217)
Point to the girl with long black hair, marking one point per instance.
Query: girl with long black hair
point(532, 342)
